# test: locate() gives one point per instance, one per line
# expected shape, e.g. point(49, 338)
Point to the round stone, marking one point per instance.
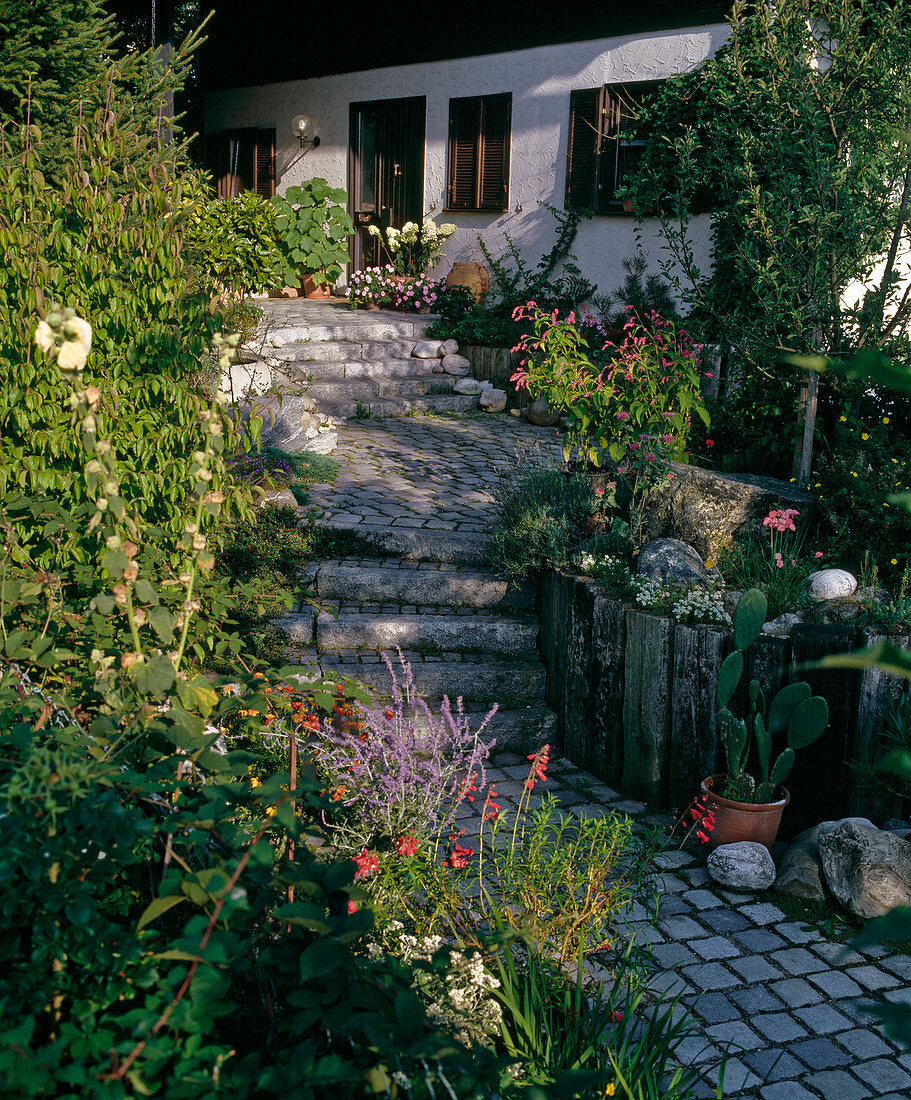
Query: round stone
point(456, 364)
point(832, 584)
point(468, 386)
point(672, 562)
point(427, 349)
point(492, 400)
point(745, 865)
point(449, 347)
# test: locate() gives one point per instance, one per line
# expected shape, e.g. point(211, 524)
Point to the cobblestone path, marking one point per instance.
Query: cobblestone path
point(785, 1004)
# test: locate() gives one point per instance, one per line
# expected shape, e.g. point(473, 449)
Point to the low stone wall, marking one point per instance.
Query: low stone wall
point(634, 695)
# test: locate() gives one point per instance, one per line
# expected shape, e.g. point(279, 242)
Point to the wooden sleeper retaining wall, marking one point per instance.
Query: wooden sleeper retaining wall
point(634, 694)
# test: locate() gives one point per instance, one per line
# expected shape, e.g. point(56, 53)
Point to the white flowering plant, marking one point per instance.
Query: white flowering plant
point(692, 606)
point(413, 248)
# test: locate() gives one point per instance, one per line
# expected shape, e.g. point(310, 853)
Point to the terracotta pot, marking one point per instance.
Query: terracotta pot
point(472, 275)
point(734, 821)
point(311, 290)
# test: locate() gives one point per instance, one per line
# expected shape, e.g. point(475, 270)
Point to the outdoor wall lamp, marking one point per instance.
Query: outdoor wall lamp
point(302, 125)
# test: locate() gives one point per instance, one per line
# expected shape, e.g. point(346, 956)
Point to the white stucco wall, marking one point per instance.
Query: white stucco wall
point(540, 80)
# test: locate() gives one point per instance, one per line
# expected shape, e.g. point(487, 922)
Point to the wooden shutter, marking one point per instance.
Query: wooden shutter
point(264, 163)
point(464, 143)
point(583, 150)
point(493, 174)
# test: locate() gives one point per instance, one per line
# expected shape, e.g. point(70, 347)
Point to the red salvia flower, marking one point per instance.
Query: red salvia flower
point(406, 845)
point(367, 863)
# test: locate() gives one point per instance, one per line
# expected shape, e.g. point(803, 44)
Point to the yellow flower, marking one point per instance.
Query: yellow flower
point(792, 479)
point(610, 1090)
point(885, 420)
point(709, 564)
point(853, 473)
point(866, 435)
point(895, 561)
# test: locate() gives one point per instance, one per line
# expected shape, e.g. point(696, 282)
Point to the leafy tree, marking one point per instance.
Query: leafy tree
point(797, 129)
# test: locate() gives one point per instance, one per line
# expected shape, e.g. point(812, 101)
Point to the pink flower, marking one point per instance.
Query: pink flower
point(352, 906)
point(623, 415)
point(599, 492)
point(818, 554)
point(779, 561)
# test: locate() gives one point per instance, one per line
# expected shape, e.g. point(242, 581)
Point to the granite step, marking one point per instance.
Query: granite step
point(511, 683)
point(343, 350)
point(493, 635)
point(362, 584)
point(367, 389)
point(422, 544)
point(381, 407)
point(514, 729)
point(353, 329)
point(335, 370)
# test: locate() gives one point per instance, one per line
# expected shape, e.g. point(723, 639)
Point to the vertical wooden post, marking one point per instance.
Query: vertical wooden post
point(646, 705)
point(694, 750)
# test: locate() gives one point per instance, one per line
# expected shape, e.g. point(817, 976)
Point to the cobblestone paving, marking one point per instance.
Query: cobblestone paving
point(433, 473)
point(786, 1005)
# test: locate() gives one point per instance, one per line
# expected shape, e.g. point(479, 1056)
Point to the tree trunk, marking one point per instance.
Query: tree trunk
point(806, 416)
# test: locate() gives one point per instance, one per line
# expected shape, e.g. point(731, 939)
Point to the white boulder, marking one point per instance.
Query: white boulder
point(831, 584)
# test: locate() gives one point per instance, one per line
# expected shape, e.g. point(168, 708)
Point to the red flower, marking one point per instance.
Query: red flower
point(458, 857)
point(539, 761)
point(710, 443)
point(616, 1017)
point(352, 906)
point(702, 836)
point(406, 845)
point(367, 863)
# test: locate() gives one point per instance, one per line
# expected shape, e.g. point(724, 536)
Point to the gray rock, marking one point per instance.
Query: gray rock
point(672, 562)
point(831, 584)
point(468, 385)
point(745, 865)
point(449, 347)
point(840, 611)
point(456, 364)
point(492, 400)
point(437, 367)
point(541, 414)
point(800, 871)
point(322, 444)
point(427, 349)
point(783, 625)
point(867, 870)
point(278, 498)
point(709, 509)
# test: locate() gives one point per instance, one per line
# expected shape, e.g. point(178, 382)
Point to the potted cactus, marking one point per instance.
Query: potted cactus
point(748, 807)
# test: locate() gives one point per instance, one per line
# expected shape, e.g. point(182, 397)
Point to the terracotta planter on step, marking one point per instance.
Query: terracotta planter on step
point(311, 290)
point(474, 276)
point(735, 821)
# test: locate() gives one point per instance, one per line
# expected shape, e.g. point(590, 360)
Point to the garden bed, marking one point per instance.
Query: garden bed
point(634, 697)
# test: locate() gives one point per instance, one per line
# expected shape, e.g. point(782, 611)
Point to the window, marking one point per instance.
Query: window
point(479, 152)
point(243, 160)
point(605, 144)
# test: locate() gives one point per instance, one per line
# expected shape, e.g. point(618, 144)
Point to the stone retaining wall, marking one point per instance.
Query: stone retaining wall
point(634, 697)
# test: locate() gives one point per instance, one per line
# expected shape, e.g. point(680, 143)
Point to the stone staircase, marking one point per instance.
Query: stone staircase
point(357, 363)
point(466, 632)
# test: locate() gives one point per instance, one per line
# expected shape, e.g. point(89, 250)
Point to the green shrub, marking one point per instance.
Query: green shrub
point(313, 231)
point(120, 261)
point(542, 516)
point(232, 242)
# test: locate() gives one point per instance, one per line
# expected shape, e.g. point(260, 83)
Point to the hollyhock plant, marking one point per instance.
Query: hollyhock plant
point(403, 769)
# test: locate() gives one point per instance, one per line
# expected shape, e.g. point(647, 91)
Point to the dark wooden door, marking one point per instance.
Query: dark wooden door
point(386, 170)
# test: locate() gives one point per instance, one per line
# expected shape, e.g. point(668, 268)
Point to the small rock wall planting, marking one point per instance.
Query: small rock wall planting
point(634, 694)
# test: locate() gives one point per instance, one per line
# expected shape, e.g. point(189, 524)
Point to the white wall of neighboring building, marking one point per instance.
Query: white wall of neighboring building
point(540, 80)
